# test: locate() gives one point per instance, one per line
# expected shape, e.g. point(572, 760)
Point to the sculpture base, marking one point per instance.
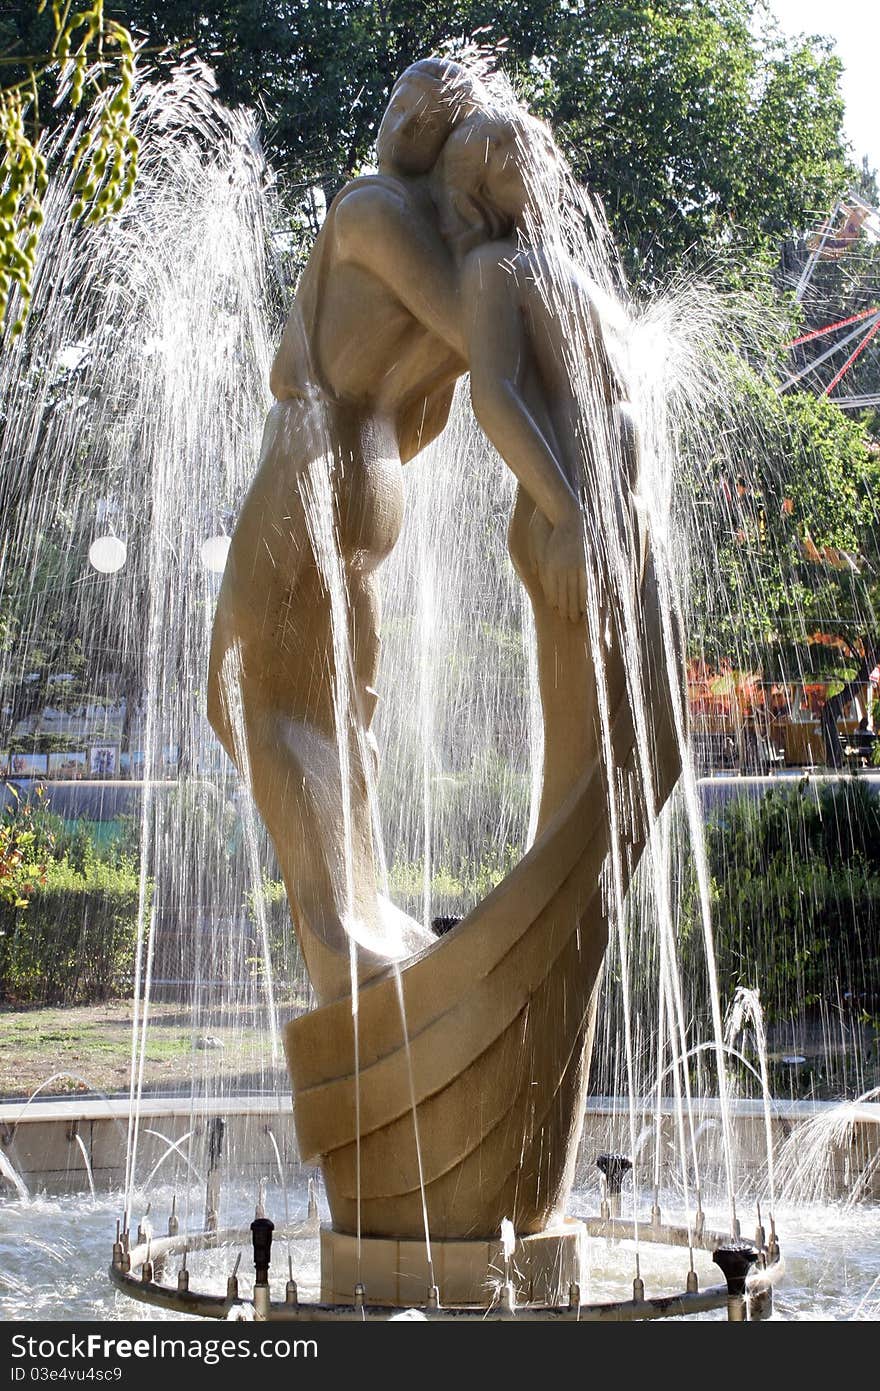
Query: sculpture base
point(395, 1272)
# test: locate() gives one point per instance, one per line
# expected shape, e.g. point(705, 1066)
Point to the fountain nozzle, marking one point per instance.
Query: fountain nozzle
point(699, 1217)
point(507, 1297)
point(736, 1259)
point(612, 1167)
point(232, 1281)
point(145, 1230)
point(261, 1235)
point(216, 1134)
point(773, 1246)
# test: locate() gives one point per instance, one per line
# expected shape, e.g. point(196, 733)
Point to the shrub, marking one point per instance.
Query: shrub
point(288, 967)
point(74, 941)
point(796, 898)
point(454, 892)
point(23, 852)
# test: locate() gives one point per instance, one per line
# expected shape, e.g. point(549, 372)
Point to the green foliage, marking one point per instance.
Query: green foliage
point(126, 843)
point(795, 899)
point(70, 631)
point(75, 942)
point(52, 838)
point(810, 480)
point(24, 846)
point(106, 156)
point(68, 912)
point(453, 892)
point(24, 182)
point(323, 72)
point(269, 908)
point(698, 129)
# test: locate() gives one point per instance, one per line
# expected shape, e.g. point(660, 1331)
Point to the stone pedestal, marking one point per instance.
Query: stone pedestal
point(395, 1272)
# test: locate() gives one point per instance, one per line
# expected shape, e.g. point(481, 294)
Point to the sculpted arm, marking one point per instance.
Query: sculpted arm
point(498, 351)
point(375, 228)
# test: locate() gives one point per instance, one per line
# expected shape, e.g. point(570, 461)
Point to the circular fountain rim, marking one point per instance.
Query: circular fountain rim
point(126, 1273)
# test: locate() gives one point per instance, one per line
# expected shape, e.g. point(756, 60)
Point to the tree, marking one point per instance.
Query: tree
point(698, 130)
point(790, 570)
point(322, 72)
point(66, 638)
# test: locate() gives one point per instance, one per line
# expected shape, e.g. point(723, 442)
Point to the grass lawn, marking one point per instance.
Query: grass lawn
point(88, 1048)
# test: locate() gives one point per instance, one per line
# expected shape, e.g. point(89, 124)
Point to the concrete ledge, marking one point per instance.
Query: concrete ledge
point(48, 1142)
point(56, 1144)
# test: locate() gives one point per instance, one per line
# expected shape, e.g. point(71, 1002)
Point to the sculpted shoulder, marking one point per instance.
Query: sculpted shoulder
point(365, 209)
point(353, 223)
point(491, 279)
point(491, 256)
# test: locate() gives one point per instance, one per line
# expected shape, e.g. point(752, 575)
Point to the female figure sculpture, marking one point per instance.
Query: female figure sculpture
point(539, 331)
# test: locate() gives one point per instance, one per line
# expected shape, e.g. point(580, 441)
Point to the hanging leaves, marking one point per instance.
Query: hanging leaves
point(24, 182)
point(95, 61)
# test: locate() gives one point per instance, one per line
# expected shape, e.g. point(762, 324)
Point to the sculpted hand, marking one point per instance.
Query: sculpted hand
point(538, 537)
point(562, 569)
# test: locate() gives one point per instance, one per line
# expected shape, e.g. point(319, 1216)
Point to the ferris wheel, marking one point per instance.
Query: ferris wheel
point(838, 238)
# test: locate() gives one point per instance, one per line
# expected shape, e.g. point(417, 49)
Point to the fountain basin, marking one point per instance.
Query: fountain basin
point(534, 1294)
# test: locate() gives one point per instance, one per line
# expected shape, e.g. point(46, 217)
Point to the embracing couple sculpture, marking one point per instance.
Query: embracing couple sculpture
point(469, 1110)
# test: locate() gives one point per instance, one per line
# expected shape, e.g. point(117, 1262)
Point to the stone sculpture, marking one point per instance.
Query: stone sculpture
point(464, 1107)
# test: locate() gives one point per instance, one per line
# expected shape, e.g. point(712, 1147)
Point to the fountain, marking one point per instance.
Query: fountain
point(439, 1080)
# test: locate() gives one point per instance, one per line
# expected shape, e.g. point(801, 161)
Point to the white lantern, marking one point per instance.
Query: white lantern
point(107, 554)
point(214, 552)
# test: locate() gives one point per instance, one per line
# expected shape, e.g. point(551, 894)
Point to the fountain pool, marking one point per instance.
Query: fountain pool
point(54, 1253)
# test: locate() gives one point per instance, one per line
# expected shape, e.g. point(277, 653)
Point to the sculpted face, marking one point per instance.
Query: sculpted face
point(489, 168)
point(414, 127)
point(505, 173)
point(506, 163)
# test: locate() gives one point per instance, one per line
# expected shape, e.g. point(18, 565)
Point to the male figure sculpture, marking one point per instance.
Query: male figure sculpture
point(363, 380)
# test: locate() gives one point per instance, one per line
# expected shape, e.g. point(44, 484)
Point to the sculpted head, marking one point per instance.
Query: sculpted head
point(499, 167)
point(427, 101)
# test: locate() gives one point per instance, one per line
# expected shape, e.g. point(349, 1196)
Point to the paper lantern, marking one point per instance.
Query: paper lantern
point(107, 554)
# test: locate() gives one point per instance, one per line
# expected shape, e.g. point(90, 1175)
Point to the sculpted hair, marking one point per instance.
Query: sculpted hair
point(459, 89)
